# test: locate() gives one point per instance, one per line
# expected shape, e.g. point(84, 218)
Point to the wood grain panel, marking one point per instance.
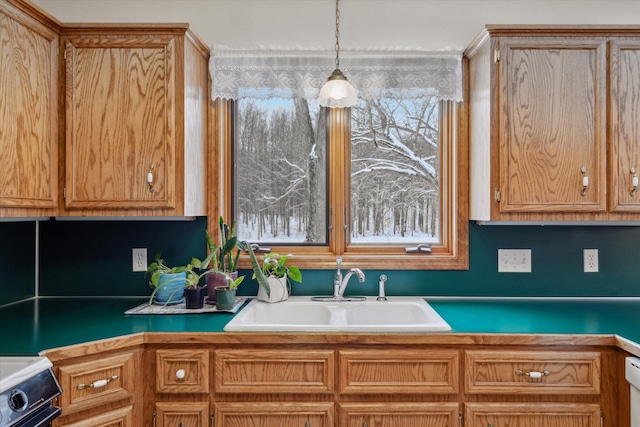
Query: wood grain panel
point(278, 414)
point(120, 104)
point(553, 124)
point(625, 124)
point(72, 378)
point(495, 372)
point(532, 415)
point(182, 414)
point(194, 363)
point(421, 414)
point(28, 113)
point(274, 371)
point(398, 371)
point(122, 417)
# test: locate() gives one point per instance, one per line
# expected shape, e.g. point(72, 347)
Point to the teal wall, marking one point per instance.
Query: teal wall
point(93, 258)
point(17, 261)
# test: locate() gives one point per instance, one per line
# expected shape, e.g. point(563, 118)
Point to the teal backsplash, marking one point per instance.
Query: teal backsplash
point(17, 261)
point(93, 258)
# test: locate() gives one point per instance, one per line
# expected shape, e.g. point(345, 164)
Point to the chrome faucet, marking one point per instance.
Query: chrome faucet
point(337, 279)
point(340, 284)
point(339, 294)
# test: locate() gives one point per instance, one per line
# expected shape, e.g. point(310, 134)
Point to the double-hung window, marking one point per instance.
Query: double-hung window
point(378, 184)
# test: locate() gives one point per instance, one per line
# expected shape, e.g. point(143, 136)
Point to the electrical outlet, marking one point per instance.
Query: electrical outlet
point(590, 260)
point(514, 260)
point(139, 259)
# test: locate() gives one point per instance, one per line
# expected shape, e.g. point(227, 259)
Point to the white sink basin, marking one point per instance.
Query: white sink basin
point(397, 314)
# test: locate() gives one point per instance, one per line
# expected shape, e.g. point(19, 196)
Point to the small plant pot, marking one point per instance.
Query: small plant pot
point(217, 280)
point(170, 289)
point(279, 291)
point(225, 298)
point(194, 298)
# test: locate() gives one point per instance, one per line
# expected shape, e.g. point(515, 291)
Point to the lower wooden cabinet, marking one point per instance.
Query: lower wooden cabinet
point(273, 414)
point(532, 415)
point(393, 414)
point(121, 417)
point(181, 414)
point(340, 384)
point(100, 390)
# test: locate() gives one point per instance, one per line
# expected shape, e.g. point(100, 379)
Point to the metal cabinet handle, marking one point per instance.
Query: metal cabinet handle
point(634, 181)
point(532, 374)
point(585, 181)
point(97, 384)
point(150, 178)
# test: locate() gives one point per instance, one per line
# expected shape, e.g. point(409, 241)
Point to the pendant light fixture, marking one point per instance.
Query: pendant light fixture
point(337, 92)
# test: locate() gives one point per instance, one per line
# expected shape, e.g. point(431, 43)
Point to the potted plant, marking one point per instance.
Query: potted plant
point(274, 275)
point(224, 263)
point(172, 284)
point(168, 282)
point(226, 295)
point(193, 292)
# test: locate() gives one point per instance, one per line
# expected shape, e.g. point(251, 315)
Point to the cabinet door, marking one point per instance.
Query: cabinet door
point(391, 414)
point(625, 126)
point(120, 119)
point(552, 124)
point(28, 113)
point(280, 414)
point(122, 417)
point(182, 414)
point(532, 415)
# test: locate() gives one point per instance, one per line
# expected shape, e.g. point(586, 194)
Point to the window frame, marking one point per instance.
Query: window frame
point(452, 254)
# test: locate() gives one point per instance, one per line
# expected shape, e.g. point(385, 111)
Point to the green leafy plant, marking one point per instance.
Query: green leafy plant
point(273, 265)
point(224, 258)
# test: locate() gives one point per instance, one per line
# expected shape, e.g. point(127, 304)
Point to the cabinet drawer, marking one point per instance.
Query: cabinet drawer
point(181, 414)
point(399, 371)
point(97, 382)
point(274, 371)
point(441, 414)
point(182, 371)
point(532, 414)
point(521, 372)
point(122, 417)
point(274, 414)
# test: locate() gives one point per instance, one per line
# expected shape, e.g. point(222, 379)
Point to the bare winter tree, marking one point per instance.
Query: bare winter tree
point(282, 183)
point(395, 167)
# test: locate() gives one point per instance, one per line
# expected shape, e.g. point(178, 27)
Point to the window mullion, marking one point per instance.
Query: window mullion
point(339, 131)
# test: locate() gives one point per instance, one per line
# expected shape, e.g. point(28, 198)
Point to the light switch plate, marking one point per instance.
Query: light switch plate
point(514, 260)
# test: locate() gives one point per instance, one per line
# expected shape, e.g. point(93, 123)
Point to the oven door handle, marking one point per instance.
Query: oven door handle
point(41, 418)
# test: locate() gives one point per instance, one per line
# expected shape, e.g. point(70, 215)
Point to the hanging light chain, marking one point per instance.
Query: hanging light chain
point(337, 35)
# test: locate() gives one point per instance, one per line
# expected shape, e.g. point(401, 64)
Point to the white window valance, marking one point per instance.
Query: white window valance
point(291, 73)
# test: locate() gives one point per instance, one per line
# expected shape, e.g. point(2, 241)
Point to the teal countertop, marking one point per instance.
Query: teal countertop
point(34, 325)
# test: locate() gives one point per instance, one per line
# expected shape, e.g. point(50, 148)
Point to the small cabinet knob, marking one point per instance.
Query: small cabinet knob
point(634, 181)
point(180, 374)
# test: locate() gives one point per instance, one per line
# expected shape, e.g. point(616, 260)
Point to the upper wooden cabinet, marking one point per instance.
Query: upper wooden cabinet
point(28, 111)
point(136, 106)
point(553, 123)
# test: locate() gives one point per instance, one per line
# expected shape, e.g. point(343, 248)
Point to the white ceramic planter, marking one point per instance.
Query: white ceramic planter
point(279, 291)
